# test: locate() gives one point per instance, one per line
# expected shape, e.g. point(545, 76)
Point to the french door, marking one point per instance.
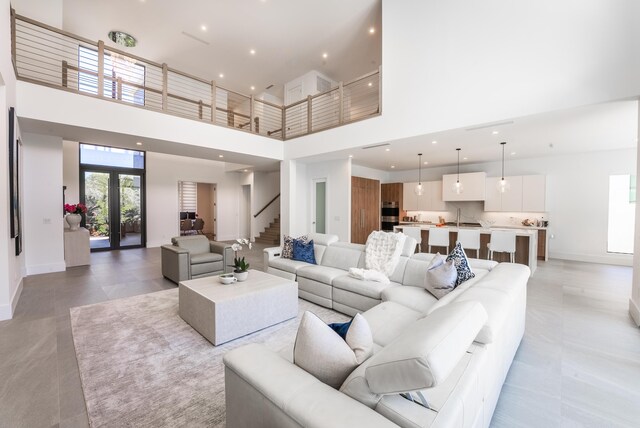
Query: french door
point(115, 207)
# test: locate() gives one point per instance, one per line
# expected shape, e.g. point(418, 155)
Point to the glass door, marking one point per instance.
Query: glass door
point(115, 216)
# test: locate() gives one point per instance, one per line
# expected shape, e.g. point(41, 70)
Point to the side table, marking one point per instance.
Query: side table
point(76, 247)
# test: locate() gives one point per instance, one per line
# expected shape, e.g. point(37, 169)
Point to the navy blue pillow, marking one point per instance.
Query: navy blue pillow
point(341, 328)
point(303, 251)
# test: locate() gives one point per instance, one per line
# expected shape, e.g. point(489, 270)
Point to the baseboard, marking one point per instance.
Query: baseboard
point(7, 311)
point(154, 244)
point(46, 268)
point(609, 259)
point(634, 311)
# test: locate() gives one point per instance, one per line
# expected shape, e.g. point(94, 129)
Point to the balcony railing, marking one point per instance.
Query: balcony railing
point(48, 56)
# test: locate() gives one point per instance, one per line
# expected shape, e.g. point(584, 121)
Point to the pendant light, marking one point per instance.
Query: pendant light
point(503, 185)
point(419, 190)
point(458, 188)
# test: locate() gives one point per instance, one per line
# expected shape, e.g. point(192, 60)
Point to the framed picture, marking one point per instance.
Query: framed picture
point(14, 201)
point(18, 206)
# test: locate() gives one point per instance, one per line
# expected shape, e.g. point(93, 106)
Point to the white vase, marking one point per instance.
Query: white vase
point(241, 276)
point(73, 220)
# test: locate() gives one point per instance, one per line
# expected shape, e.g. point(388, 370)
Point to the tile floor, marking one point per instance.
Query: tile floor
point(578, 364)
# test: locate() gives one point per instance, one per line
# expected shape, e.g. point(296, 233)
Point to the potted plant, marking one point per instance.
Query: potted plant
point(240, 265)
point(74, 215)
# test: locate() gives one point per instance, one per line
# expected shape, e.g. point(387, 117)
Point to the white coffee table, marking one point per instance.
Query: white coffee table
point(222, 313)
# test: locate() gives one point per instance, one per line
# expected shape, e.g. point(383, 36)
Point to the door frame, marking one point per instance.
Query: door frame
point(114, 203)
point(313, 219)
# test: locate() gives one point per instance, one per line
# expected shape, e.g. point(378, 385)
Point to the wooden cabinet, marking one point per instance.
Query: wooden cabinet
point(474, 184)
point(392, 192)
point(365, 208)
point(526, 194)
point(542, 244)
point(430, 200)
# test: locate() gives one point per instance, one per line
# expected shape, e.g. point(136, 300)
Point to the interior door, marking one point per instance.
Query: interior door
point(319, 222)
point(365, 208)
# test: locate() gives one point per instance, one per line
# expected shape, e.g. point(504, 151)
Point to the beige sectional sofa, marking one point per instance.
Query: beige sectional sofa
point(455, 351)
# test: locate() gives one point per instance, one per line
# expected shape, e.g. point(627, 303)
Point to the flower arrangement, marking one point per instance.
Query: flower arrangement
point(239, 264)
point(75, 208)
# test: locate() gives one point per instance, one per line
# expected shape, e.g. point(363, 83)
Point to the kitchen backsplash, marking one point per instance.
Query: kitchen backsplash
point(471, 212)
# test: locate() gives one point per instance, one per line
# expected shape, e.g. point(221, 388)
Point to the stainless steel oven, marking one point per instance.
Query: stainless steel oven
point(390, 215)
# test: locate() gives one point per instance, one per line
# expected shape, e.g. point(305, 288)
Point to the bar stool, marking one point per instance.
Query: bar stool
point(439, 237)
point(470, 240)
point(503, 241)
point(415, 233)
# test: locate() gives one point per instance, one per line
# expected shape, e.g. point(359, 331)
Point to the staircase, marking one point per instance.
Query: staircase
point(271, 235)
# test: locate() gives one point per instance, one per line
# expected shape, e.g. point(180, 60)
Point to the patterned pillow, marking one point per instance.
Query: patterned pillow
point(462, 264)
point(303, 252)
point(287, 246)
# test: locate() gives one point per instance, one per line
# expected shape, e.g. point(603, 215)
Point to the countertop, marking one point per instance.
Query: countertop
point(495, 226)
point(520, 231)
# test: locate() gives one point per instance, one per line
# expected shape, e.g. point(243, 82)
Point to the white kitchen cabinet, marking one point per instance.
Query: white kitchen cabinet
point(525, 194)
point(435, 189)
point(534, 191)
point(474, 184)
point(512, 198)
point(409, 197)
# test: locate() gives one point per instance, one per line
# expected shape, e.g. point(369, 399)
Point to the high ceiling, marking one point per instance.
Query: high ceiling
point(208, 37)
point(608, 126)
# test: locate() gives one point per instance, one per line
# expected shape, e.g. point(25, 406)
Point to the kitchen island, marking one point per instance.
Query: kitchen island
point(526, 243)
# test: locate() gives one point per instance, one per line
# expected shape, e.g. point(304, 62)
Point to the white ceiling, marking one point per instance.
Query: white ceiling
point(289, 36)
point(607, 126)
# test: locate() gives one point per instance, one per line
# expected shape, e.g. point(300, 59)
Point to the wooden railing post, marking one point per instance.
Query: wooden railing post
point(165, 86)
point(100, 68)
point(251, 113)
point(119, 88)
point(283, 128)
point(214, 99)
point(308, 114)
point(200, 109)
point(341, 101)
point(64, 73)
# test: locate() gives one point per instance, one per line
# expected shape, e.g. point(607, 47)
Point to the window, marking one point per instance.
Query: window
point(622, 212)
point(131, 73)
point(111, 156)
point(188, 194)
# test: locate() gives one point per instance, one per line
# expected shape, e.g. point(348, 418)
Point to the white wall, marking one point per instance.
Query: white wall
point(11, 267)
point(164, 172)
point(577, 198)
point(634, 301)
point(338, 191)
point(371, 173)
point(71, 171)
point(453, 64)
point(49, 12)
point(43, 218)
point(266, 185)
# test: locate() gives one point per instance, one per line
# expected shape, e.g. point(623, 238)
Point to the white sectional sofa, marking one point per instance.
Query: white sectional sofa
point(465, 341)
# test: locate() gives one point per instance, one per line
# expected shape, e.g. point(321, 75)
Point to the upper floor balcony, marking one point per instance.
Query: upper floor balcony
point(49, 56)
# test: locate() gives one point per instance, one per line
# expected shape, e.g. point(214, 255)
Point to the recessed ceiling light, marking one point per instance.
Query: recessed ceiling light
point(252, 51)
point(434, 142)
point(465, 158)
point(253, 88)
point(513, 153)
point(426, 163)
point(220, 156)
point(370, 84)
point(372, 30)
point(393, 166)
point(325, 55)
point(221, 75)
point(203, 27)
point(350, 156)
point(138, 143)
point(387, 149)
point(245, 170)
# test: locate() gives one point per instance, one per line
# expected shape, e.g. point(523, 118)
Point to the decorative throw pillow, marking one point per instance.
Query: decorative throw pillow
point(287, 246)
point(441, 276)
point(321, 352)
point(462, 264)
point(303, 251)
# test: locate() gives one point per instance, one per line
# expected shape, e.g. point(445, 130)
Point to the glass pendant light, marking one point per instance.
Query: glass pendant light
point(503, 185)
point(458, 188)
point(419, 190)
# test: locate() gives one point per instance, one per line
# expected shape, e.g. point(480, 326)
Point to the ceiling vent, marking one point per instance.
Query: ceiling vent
point(376, 145)
point(269, 87)
point(196, 38)
point(490, 125)
point(322, 85)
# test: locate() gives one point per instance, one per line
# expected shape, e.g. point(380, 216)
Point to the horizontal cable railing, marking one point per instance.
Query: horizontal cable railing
point(45, 55)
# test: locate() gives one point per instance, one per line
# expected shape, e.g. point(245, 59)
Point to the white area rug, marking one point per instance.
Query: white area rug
point(142, 365)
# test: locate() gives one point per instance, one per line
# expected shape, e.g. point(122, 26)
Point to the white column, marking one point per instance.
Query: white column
point(634, 301)
point(287, 195)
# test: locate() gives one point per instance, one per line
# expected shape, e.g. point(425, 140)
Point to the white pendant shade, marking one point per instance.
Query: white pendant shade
point(503, 185)
point(419, 190)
